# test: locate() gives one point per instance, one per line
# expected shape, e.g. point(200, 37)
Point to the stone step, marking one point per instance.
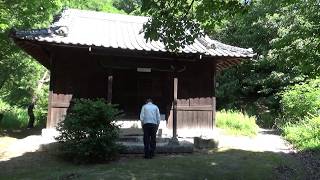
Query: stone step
point(162, 147)
point(137, 132)
point(131, 132)
point(137, 139)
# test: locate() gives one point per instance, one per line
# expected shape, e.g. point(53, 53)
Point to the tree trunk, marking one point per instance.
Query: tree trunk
point(31, 115)
point(44, 79)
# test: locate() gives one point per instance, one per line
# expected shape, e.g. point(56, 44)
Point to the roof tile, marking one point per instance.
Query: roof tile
point(118, 31)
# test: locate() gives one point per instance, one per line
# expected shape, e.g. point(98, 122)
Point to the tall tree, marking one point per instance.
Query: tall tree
point(128, 6)
point(19, 73)
point(177, 22)
point(284, 34)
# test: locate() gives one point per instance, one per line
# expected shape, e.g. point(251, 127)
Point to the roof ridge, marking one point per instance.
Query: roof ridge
point(230, 47)
point(214, 44)
point(65, 13)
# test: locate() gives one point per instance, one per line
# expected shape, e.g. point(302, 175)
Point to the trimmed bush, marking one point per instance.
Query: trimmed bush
point(301, 101)
point(236, 123)
point(304, 135)
point(88, 133)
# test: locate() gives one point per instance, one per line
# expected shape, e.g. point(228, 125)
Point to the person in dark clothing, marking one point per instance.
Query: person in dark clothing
point(150, 120)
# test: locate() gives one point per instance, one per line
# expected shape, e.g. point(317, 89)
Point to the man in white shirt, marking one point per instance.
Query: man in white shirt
point(150, 120)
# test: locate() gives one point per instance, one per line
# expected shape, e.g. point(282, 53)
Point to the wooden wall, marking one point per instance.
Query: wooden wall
point(195, 101)
point(75, 73)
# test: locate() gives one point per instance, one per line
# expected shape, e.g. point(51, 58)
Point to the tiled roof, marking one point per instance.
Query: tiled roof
point(90, 28)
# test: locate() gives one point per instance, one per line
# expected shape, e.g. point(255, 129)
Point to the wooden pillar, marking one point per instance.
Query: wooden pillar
point(175, 96)
point(49, 123)
point(214, 94)
point(110, 79)
point(49, 116)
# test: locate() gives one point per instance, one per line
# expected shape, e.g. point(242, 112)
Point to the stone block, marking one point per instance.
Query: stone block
point(201, 143)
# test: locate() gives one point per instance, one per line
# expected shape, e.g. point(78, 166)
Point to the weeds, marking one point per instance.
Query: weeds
point(236, 123)
point(304, 135)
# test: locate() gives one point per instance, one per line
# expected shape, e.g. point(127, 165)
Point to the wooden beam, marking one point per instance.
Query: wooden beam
point(59, 104)
point(175, 96)
point(114, 63)
point(214, 82)
point(223, 65)
point(49, 118)
point(219, 68)
point(49, 123)
point(195, 108)
point(110, 79)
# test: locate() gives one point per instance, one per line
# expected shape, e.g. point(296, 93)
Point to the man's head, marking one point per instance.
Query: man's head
point(149, 100)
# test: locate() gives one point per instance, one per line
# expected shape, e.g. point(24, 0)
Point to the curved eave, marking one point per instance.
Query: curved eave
point(37, 49)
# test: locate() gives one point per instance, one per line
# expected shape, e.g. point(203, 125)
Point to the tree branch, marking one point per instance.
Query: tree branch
point(188, 10)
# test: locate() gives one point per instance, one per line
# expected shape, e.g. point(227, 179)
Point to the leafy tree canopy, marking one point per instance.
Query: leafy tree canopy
point(18, 72)
point(284, 34)
point(177, 23)
point(128, 6)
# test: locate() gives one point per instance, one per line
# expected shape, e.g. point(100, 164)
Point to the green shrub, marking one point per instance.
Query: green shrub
point(236, 123)
point(12, 117)
point(301, 101)
point(88, 133)
point(41, 107)
point(304, 135)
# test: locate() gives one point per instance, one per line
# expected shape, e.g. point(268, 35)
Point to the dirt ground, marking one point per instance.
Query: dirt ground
point(17, 144)
point(13, 145)
point(266, 140)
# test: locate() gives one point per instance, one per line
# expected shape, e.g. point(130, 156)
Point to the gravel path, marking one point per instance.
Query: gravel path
point(266, 140)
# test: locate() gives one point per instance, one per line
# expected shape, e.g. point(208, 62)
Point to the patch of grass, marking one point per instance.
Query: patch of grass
point(304, 135)
point(228, 164)
point(236, 123)
point(14, 118)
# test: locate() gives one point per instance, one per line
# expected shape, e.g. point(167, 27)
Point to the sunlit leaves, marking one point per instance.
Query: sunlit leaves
point(19, 73)
point(128, 6)
point(177, 23)
point(285, 34)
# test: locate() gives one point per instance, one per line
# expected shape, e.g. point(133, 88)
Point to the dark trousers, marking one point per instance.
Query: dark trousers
point(149, 139)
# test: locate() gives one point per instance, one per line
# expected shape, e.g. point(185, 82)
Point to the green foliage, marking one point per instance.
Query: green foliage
point(96, 5)
point(88, 133)
point(177, 23)
point(12, 117)
point(20, 73)
point(282, 33)
point(236, 123)
point(41, 106)
point(301, 101)
point(128, 6)
point(304, 135)
point(300, 120)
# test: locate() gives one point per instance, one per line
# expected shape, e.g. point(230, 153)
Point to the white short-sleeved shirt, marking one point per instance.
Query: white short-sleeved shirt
point(150, 114)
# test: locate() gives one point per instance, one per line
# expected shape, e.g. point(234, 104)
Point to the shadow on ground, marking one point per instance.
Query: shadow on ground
point(270, 131)
point(211, 164)
point(20, 133)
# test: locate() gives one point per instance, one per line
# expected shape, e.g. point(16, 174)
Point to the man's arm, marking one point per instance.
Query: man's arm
point(142, 115)
point(158, 116)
